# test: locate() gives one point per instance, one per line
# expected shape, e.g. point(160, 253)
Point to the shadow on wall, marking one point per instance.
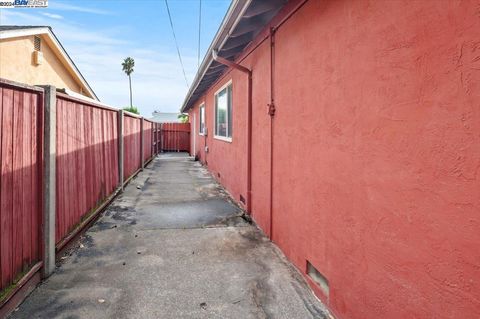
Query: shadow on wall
point(87, 172)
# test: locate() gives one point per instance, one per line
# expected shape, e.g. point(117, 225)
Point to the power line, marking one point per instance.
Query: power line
point(199, 32)
point(176, 44)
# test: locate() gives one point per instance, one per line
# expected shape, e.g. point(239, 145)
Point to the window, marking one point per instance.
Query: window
point(202, 120)
point(223, 113)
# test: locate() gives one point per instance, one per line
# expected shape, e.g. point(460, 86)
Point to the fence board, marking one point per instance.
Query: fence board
point(17, 179)
point(148, 140)
point(132, 158)
point(21, 147)
point(6, 187)
point(27, 179)
point(87, 161)
point(175, 137)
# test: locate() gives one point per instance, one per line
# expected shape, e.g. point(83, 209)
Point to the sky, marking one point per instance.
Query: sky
point(99, 34)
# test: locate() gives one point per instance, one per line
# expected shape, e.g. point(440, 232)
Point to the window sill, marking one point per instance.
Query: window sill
point(222, 138)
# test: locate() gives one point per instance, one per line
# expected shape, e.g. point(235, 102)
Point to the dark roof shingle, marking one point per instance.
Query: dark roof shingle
point(20, 27)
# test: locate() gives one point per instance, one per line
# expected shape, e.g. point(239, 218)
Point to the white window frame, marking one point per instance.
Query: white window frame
point(194, 150)
point(200, 118)
point(215, 136)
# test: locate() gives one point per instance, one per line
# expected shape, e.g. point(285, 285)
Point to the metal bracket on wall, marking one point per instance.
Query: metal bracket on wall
point(271, 109)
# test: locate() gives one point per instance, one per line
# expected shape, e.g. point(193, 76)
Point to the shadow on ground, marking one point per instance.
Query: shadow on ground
point(173, 245)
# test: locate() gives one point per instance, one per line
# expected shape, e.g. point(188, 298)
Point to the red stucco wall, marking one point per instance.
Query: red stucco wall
point(226, 160)
point(376, 175)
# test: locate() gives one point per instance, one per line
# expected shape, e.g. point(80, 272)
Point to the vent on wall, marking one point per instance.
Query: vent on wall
point(318, 278)
point(242, 199)
point(37, 57)
point(37, 43)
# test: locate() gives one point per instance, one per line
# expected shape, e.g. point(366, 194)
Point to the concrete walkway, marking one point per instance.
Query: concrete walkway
point(173, 245)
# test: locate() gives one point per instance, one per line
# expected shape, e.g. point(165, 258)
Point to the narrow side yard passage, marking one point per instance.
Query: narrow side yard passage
point(173, 245)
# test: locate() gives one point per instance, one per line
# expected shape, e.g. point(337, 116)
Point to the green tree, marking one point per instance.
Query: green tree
point(132, 109)
point(127, 67)
point(183, 118)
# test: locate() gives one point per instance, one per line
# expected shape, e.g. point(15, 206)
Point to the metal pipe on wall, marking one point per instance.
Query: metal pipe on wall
point(205, 134)
point(271, 112)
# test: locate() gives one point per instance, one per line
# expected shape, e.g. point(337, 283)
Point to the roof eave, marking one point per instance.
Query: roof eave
point(245, 19)
point(72, 65)
point(234, 13)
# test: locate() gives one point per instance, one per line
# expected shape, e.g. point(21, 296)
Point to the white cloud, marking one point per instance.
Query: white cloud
point(157, 81)
point(68, 7)
point(53, 15)
point(66, 31)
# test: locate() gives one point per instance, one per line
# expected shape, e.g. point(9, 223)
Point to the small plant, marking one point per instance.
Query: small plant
point(183, 118)
point(131, 109)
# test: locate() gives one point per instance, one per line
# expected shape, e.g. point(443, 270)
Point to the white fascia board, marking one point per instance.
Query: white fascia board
point(218, 41)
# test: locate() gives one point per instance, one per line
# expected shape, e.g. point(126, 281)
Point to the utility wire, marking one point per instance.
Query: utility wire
point(176, 44)
point(199, 32)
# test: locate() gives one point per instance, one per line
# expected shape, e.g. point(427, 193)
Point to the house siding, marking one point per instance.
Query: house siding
point(376, 152)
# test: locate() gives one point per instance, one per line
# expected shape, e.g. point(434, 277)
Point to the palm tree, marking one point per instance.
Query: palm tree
point(127, 67)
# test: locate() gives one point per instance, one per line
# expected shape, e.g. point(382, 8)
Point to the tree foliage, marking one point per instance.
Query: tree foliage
point(131, 109)
point(183, 118)
point(128, 65)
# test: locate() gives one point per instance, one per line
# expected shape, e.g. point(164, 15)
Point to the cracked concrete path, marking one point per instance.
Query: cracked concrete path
point(173, 245)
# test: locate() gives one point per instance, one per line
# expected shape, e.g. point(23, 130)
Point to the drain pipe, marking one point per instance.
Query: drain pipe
point(249, 121)
point(271, 113)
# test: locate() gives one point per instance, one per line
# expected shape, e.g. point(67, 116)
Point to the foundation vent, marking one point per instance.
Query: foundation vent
point(318, 278)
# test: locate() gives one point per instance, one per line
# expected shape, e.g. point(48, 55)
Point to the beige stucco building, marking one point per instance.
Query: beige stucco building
point(33, 55)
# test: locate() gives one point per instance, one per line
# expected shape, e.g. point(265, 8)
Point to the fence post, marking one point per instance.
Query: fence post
point(120, 148)
point(159, 139)
point(49, 176)
point(160, 128)
point(142, 141)
point(156, 138)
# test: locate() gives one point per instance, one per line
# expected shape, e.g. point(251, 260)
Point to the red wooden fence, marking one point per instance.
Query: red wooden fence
point(157, 137)
point(175, 137)
point(21, 153)
point(131, 143)
point(87, 171)
point(87, 160)
point(148, 138)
